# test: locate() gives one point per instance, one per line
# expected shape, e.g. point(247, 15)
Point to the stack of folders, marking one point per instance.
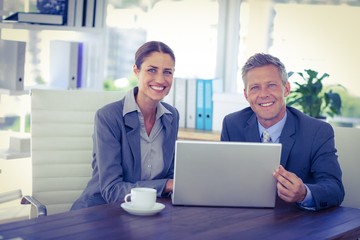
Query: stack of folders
point(12, 65)
point(73, 13)
point(205, 89)
point(193, 99)
point(87, 13)
point(67, 69)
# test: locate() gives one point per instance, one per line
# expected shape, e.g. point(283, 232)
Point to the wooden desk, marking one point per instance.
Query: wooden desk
point(179, 222)
point(195, 134)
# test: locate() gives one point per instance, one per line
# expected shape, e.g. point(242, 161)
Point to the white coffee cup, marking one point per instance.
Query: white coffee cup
point(142, 198)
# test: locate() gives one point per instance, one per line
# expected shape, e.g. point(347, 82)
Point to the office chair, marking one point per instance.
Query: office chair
point(347, 143)
point(61, 146)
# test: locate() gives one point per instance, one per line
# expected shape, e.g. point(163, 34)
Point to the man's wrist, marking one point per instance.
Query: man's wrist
point(304, 195)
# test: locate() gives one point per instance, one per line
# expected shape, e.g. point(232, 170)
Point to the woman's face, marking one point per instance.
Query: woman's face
point(155, 76)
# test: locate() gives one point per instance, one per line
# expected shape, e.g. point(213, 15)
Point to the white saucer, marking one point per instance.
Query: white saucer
point(158, 207)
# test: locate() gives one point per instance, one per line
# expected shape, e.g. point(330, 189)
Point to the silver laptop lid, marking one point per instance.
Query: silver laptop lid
point(234, 174)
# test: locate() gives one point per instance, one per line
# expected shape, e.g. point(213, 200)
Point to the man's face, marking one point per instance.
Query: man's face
point(266, 94)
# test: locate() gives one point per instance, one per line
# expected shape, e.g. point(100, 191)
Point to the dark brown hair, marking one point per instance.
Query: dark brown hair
point(149, 47)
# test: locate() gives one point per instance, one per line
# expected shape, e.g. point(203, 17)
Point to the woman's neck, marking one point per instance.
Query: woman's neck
point(148, 110)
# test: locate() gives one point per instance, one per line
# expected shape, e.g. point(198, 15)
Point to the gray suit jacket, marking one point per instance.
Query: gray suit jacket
point(308, 150)
point(117, 156)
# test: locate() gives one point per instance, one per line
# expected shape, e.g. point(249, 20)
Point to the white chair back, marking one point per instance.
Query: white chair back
point(347, 143)
point(61, 143)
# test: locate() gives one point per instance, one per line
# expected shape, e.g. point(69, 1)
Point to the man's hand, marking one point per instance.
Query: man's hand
point(290, 187)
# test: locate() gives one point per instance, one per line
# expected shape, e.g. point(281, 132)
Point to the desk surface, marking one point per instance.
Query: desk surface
point(195, 134)
point(179, 222)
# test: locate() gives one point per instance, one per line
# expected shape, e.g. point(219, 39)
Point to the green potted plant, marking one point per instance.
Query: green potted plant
point(312, 98)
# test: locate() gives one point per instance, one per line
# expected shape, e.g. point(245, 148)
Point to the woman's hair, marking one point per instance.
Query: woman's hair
point(149, 47)
point(262, 59)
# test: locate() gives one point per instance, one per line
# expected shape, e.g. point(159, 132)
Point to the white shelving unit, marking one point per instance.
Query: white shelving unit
point(93, 39)
point(92, 36)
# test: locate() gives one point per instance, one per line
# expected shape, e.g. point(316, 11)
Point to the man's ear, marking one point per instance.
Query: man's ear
point(287, 89)
point(245, 94)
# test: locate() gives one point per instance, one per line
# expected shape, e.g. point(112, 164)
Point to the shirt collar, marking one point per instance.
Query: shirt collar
point(130, 104)
point(275, 130)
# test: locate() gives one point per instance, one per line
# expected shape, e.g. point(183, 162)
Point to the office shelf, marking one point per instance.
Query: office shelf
point(4, 91)
point(18, 146)
point(7, 154)
point(44, 27)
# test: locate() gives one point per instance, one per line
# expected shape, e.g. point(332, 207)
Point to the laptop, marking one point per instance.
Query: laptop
point(225, 174)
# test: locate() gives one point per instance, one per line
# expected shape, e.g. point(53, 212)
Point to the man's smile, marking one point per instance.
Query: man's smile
point(266, 104)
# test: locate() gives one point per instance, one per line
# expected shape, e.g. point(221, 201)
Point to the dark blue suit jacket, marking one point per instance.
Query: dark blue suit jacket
point(308, 150)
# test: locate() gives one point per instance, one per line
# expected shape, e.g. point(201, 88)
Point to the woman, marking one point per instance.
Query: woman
point(134, 138)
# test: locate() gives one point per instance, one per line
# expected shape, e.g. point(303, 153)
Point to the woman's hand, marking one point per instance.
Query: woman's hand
point(169, 186)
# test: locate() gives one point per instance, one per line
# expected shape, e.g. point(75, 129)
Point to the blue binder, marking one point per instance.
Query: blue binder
point(200, 110)
point(80, 81)
point(208, 104)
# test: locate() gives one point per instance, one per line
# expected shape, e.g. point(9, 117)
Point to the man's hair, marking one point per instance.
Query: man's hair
point(262, 59)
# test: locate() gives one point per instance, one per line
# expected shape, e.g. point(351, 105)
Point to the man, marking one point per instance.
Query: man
point(309, 173)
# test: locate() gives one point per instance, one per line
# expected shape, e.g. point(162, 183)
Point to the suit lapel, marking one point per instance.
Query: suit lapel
point(132, 123)
point(167, 151)
point(252, 130)
point(286, 139)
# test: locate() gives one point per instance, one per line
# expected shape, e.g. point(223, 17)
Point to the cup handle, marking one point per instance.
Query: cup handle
point(126, 197)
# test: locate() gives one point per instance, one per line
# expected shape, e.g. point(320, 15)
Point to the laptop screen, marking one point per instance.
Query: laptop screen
point(233, 174)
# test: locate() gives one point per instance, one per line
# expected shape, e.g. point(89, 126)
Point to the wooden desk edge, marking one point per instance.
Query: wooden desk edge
point(194, 134)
